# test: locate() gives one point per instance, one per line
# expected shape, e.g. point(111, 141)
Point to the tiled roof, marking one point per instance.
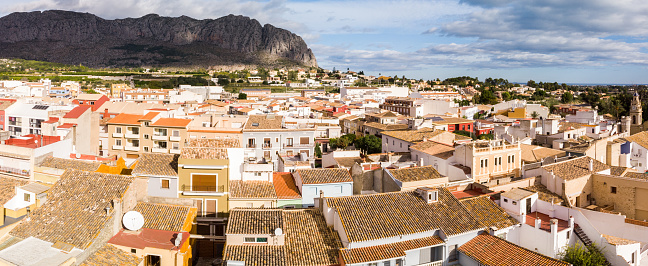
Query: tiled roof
point(565, 126)
point(640, 138)
point(5, 104)
point(171, 122)
point(434, 148)
point(77, 111)
point(414, 136)
point(251, 189)
point(254, 221)
point(532, 153)
point(493, 251)
point(156, 165)
point(284, 185)
point(308, 241)
point(387, 251)
point(203, 153)
point(636, 175)
point(125, 119)
point(348, 162)
point(75, 211)
point(164, 216)
point(8, 188)
point(262, 122)
point(544, 193)
point(415, 173)
point(59, 163)
point(375, 216)
point(575, 168)
point(617, 241)
point(110, 255)
point(149, 116)
point(488, 213)
point(517, 194)
point(618, 170)
point(321, 176)
point(384, 127)
point(214, 143)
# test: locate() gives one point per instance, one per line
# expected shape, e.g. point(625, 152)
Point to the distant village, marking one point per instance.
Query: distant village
point(339, 168)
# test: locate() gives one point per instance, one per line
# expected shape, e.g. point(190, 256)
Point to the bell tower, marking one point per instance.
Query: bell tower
point(635, 110)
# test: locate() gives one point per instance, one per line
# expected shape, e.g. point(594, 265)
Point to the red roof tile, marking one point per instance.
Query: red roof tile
point(149, 116)
point(493, 251)
point(285, 187)
point(77, 111)
point(52, 120)
point(66, 125)
point(127, 119)
point(171, 122)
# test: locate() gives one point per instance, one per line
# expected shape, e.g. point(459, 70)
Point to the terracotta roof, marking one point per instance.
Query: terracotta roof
point(387, 251)
point(376, 216)
point(149, 116)
point(494, 251)
point(8, 188)
point(414, 136)
point(85, 196)
point(321, 176)
point(208, 148)
point(67, 125)
point(284, 185)
point(544, 193)
point(384, 127)
point(125, 119)
point(254, 221)
point(488, 213)
point(565, 126)
point(517, 194)
point(636, 175)
point(308, 241)
point(59, 163)
point(415, 173)
point(171, 122)
point(618, 170)
point(110, 255)
point(166, 217)
point(251, 189)
point(261, 122)
point(575, 168)
point(435, 149)
point(77, 111)
point(640, 138)
point(153, 164)
point(5, 104)
point(36, 188)
point(532, 153)
point(348, 162)
point(52, 120)
point(617, 241)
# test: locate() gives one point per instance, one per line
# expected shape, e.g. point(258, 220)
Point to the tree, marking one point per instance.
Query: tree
point(506, 96)
point(583, 256)
point(535, 114)
point(242, 96)
point(318, 150)
point(567, 97)
point(369, 144)
point(333, 143)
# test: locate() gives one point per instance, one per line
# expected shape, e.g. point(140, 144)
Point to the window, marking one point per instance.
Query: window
point(133, 250)
point(27, 197)
point(505, 200)
point(249, 240)
point(262, 240)
point(289, 142)
point(205, 124)
point(146, 136)
point(257, 173)
point(118, 130)
point(118, 142)
point(176, 133)
point(399, 262)
point(613, 190)
point(514, 202)
point(146, 149)
point(175, 146)
point(304, 140)
point(165, 183)
point(147, 123)
point(387, 263)
point(204, 182)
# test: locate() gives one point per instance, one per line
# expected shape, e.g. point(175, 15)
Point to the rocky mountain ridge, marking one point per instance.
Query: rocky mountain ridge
point(152, 40)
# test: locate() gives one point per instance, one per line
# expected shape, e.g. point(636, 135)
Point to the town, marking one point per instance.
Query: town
point(307, 166)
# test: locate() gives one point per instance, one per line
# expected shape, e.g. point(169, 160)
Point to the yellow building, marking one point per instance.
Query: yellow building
point(490, 162)
point(519, 113)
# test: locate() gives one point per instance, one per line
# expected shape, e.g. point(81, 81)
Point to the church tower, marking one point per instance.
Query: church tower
point(635, 110)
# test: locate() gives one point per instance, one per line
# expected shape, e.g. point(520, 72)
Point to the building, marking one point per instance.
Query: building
point(571, 179)
point(95, 101)
point(489, 250)
point(636, 118)
point(412, 178)
point(161, 173)
point(330, 182)
point(490, 162)
point(401, 141)
point(4, 103)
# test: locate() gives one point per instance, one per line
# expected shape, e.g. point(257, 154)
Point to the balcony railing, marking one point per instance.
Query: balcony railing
point(251, 145)
point(267, 145)
point(132, 135)
point(117, 135)
point(159, 137)
point(172, 138)
point(15, 171)
point(214, 189)
point(159, 150)
point(295, 145)
point(433, 263)
point(131, 148)
point(174, 151)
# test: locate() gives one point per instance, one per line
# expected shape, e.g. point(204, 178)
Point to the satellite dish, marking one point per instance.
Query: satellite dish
point(133, 220)
point(278, 232)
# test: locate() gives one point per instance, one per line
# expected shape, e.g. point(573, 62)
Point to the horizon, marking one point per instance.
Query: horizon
point(515, 40)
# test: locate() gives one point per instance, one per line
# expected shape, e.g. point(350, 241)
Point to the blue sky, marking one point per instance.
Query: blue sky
point(573, 41)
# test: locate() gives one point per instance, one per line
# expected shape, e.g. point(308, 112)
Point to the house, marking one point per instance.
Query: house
point(430, 226)
point(286, 190)
point(570, 179)
point(634, 152)
point(95, 101)
point(280, 238)
point(7, 192)
point(161, 171)
point(412, 178)
point(20, 156)
point(489, 250)
point(622, 192)
point(4, 103)
point(251, 194)
point(164, 236)
point(330, 182)
point(485, 159)
point(401, 141)
point(51, 168)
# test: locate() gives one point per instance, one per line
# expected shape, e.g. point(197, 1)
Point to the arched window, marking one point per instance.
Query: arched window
point(634, 119)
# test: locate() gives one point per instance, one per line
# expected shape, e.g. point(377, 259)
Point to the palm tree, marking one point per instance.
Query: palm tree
point(534, 114)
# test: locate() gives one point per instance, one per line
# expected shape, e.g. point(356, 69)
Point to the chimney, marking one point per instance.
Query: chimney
point(421, 162)
point(571, 221)
point(553, 224)
point(538, 222)
point(117, 215)
point(591, 164)
point(105, 112)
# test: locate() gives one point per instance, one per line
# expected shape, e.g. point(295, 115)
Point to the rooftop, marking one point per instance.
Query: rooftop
point(415, 173)
point(251, 189)
point(532, 153)
point(110, 255)
point(488, 213)
point(636, 175)
point(321, 176)
point(575, 168)
point(85, 212)
point(517, 194)
point(617, 241)
point(171, 122)
point(493, 251)
point(175, 218)
point(254, 221)
point(284, 185)
point(640, 138)
point(264, 122)
point(387, 251)
point(147, 237)
point(153, 164)
point(436, 149)
point(8, 188)
point(125, 119)
point(59, 163)
point(77, 111)
point(545, 221)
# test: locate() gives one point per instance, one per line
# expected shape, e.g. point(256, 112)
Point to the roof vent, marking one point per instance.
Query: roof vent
point(429, 195)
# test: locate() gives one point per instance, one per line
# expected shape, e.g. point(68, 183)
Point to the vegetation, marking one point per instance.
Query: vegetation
point(318, 150)
point(369, 144)
point(583, 256)
point(242, 96)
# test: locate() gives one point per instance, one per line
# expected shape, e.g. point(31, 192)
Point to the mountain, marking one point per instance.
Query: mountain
point(152, 40)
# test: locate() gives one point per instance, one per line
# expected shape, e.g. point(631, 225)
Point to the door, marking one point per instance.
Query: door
point(528, 205)
point(210, 208)
point(199, 205)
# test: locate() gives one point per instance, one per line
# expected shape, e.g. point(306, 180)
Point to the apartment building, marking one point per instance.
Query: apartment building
point(490, 162)
point(131, 135)
point(265, 136)
point(26, 118)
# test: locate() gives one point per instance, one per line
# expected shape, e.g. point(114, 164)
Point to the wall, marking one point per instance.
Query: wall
point(256, 203)
point(311, 191)
point(155, 187)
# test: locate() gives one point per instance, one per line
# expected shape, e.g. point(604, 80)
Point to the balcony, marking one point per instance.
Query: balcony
point(160, 150)
point(15, 171)
point(203, 190)
point(172, 138)
point(117, 147)
point(117, 135)
point(433, 263)
point(131, 148)
point(251, 145)
point(258, 167)
point(267, 145)
point(160, 137)
point(174, 151)
point(132, 136)
point(103, 135)
point(309, 145)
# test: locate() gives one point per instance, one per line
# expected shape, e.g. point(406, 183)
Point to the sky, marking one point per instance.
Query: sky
point(570, 41)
